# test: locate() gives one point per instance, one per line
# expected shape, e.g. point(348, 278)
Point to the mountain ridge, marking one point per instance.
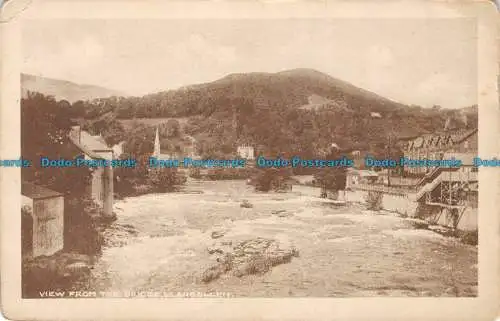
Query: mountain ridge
point(64, 89)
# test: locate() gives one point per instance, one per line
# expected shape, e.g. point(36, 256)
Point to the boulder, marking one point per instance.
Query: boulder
point(253, 256)
point(281, 213)
point(213, 250)
point(218, 234)
point(76, 269)
point(246, 204)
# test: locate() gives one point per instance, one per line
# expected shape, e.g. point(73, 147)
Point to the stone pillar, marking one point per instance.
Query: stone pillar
point(108, 191)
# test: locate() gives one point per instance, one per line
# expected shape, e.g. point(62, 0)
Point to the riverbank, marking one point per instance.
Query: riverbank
point(69, 269)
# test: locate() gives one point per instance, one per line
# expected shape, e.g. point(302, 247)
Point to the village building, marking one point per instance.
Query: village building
point(246, 152)
point(118, 149)
point(461, 144)
point(42, 222)
point(354, 177)
point(93, 147)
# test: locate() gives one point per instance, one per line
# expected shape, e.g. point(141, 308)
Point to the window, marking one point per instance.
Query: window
point(466, 145)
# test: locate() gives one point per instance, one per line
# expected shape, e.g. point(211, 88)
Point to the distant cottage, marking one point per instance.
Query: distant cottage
point(246, 152)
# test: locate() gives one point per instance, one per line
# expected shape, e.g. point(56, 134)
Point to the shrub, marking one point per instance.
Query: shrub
point(271, 179)
point(246, 204)
point(195, 173)
point(374, 200)
point(470, 238)
point(81, 216)
point(166, 179)
point(263, 181)
point(227, 173)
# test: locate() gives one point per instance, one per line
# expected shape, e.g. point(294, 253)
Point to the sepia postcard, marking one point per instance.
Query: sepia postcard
point(210, 160)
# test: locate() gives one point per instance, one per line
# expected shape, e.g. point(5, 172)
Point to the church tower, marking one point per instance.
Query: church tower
point(156, 152)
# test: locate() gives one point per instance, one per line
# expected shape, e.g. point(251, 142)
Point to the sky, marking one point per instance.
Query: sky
point(412, 61)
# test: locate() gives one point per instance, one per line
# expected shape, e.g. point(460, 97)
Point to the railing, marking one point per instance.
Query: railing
point(424, 185)
point(431, 176)
point(386, 189)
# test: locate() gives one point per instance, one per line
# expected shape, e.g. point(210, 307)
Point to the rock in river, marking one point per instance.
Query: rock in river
point(218, 234)
point(253, 256)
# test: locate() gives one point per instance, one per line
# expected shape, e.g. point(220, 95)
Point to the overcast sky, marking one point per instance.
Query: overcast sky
point(423, 62)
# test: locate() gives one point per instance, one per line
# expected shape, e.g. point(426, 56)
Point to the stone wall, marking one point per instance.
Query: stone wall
point(406, 205)
point(463, 220)
point(395, 202)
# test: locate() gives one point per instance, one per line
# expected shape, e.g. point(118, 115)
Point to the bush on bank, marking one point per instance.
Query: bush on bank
point(271, 179)
point(374, 200)
point(82, 220)
point(165, 179)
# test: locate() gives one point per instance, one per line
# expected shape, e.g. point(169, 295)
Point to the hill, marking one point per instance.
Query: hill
point(64, 90)
point(296, 112)
point(289, 88)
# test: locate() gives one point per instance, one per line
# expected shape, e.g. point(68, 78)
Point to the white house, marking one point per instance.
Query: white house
point(246, 152)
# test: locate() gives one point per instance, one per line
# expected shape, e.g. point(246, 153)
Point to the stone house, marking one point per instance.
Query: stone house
point(94, 147)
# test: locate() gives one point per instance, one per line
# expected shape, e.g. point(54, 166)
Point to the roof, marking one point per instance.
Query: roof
point(89, 145)
point(37, 192)
point(94, 143)
point(443, 139)
point(85, 150)
point(362, 172)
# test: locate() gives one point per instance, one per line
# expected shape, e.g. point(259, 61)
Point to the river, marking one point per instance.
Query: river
point(159, 242)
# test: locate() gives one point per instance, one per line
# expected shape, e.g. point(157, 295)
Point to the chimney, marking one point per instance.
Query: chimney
point(75, 133)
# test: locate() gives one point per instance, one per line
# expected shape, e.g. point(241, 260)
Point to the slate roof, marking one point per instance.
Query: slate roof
point(94, 143)
point(37, 192)
point(85, 150)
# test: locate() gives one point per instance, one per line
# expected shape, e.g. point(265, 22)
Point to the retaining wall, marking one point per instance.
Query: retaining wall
point(405, 204)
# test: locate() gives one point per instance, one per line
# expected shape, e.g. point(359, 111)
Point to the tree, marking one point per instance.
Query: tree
point(45, 126)
point(78, 109)
point(173, 128)
point(331, 178)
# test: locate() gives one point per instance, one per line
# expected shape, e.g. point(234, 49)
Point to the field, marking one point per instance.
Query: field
point(131, 123)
